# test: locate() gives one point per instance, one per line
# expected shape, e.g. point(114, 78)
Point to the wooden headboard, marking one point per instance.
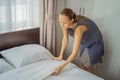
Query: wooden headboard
point(17, 38)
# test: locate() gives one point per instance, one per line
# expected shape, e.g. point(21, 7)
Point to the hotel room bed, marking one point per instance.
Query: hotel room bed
point(22, 58)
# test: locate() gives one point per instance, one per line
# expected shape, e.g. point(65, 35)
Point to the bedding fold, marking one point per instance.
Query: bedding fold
point(42, 70)
point(35, 71)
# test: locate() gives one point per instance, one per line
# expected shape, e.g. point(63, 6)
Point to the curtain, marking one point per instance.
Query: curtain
point(49, 25)
point(19, 14)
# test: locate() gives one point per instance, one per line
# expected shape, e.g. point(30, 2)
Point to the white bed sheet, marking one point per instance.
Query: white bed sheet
point(42, 71)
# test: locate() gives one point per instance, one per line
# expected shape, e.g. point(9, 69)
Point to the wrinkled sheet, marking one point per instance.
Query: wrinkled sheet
point(42, 70)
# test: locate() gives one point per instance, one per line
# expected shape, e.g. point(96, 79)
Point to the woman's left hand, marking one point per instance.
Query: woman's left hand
point(57, 70)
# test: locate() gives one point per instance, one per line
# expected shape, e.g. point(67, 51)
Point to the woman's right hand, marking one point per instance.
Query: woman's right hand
point(57, 58)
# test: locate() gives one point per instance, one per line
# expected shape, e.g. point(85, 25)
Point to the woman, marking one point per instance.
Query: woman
point(86, 36)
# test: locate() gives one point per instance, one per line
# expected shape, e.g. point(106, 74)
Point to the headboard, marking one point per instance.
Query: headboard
point(17, 38)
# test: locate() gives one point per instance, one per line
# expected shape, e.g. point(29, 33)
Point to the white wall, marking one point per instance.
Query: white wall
point(41, 21)
point(106, 14)
point(111, 23)
point(60, 6)
point(76, 5)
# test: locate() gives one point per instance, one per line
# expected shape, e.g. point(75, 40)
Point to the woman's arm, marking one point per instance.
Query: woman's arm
point(77, 40)
point(78, 36)
point(64, 44)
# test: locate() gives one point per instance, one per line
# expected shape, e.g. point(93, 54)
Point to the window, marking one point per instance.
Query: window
point(19, 14)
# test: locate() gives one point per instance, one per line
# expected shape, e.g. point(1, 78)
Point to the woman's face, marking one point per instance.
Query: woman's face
point(65, 21)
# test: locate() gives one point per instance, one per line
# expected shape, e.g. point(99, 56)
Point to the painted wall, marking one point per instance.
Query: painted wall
point(106, 14)
point(111, 25)
point(60, 6)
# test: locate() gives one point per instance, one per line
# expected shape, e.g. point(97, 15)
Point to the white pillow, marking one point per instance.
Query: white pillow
point(5, 66)
point(25, 54)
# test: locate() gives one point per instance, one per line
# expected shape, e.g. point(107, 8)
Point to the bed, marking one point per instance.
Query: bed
point(22, 58)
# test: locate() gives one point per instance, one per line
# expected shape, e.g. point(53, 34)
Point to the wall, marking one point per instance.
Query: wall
point(41, 21)
point(106, 14)
point(60, 6)
point(79, 5)
point(111, 18)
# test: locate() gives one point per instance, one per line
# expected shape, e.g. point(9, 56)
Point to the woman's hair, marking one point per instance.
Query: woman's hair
point(71, 15)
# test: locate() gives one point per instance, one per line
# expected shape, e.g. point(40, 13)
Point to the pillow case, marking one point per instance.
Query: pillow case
point(26, 54)
point(5, 66)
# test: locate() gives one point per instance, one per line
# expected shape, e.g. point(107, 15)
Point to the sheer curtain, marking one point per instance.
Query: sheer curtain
point(19, 14)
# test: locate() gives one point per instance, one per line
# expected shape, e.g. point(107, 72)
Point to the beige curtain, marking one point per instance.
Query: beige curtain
point(49, 25)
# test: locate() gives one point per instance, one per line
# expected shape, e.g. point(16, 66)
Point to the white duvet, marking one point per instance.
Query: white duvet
point(42, 71)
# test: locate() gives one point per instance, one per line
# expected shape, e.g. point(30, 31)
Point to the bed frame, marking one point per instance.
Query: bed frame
point(17, 38)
